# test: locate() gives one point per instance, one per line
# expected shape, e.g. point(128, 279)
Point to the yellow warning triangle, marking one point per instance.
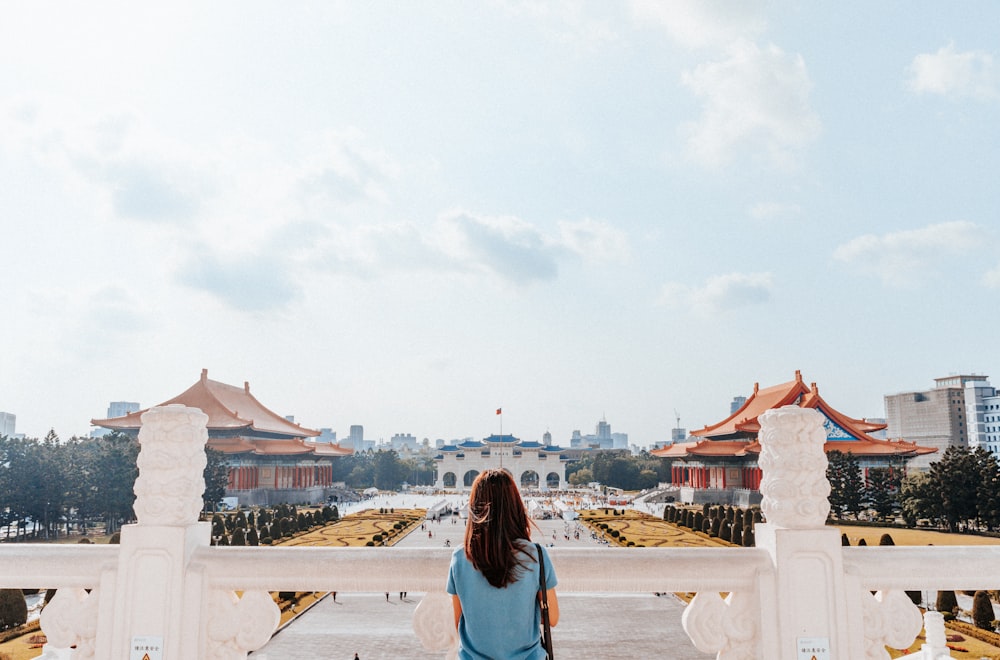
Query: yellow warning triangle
point(145, 656)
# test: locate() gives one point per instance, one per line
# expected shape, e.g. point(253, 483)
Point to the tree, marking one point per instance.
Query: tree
point(982, 611)
point(115, 463)
point(13, 609)
point(919, 499)
point(388, 471)
point(216, 475)
point(846, 483)
point(988, 490)
point(946, 602)
point(882, 493)
point(581, 477)
point(955, 481)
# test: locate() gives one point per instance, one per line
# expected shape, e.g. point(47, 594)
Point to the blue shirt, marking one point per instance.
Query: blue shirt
point(499, 624)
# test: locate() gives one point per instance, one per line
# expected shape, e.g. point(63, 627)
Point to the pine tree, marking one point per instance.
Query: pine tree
point(982, 611)
point(13, 609)
point(946, 602)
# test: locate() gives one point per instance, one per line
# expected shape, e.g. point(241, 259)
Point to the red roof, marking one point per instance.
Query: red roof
point(736, 435)
point(237, 422)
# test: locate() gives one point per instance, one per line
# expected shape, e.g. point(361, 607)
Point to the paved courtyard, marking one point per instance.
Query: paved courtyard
point(596, 625)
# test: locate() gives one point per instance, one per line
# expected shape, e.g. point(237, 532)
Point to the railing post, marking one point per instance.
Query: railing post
point(810, 606)
point(816, 606)
point(156, 602)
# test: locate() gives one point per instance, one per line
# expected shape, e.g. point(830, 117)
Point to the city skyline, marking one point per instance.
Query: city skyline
point(413, 215)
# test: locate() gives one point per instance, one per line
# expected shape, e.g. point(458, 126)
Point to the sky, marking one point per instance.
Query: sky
point(409, 215)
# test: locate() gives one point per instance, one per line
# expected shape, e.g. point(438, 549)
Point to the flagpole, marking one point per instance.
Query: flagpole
point(500, 414)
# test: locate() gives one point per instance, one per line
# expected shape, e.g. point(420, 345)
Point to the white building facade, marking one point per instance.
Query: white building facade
point(982, 412)
point(532, 464)
point(7, 424)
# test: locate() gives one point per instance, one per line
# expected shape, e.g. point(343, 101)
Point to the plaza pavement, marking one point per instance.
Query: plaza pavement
point(594, 625)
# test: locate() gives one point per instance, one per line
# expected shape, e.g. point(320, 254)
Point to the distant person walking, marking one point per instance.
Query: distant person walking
point(494, 577)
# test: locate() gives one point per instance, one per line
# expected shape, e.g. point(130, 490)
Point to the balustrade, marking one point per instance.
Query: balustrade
point(166, 586)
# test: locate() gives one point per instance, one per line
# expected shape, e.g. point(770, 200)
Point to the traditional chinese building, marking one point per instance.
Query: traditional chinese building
point(720, 465)
point(532, 464)
point(271, 459)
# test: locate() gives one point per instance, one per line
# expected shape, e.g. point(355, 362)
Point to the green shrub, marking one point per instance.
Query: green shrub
point(946, 602)
point(13, 609)
point(982, 611)
point(267, 540)
point(239, 537)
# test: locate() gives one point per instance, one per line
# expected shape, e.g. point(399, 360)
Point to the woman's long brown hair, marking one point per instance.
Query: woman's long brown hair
point(497, 520)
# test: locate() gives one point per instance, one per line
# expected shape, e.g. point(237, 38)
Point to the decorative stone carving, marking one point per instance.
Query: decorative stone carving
point(237, 626)
point(434, 624)
point(936, 647)
point(794, 485)
point(171, 465)
point(730, 628)
point(70, 619)
point(890, 619)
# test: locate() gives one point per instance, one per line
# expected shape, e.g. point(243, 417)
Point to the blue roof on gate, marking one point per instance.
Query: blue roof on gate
point(501, 439)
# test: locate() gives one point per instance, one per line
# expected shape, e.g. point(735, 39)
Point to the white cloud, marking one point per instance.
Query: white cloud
point(992, 278)
point(756, 99)
point(505, 246)
point(594, 240)
point(703, 23)
point(905, 258)
point(241, 281)
point(565, 21)
point(775, 211)
point(719, 293)
point(950, 73)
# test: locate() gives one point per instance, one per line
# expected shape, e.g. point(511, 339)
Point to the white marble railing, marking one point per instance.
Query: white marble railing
point(165, 588)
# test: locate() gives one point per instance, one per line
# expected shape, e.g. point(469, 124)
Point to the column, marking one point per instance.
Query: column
point(154, 595)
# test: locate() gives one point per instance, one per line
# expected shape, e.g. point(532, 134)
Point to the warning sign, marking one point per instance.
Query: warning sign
point(146, 648)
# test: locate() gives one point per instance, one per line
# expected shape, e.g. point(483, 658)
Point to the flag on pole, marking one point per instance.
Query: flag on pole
point(499, 411)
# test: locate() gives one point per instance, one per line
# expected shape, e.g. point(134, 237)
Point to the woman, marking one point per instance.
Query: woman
point(494, 578)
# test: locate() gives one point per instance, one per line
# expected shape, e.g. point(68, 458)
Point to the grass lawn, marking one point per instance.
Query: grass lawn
point(646, 530)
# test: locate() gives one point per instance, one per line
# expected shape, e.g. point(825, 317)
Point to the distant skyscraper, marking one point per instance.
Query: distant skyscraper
point(603, 430)
point(736, 404)
point(547, 439)
point(115, 409)
point(982, 414)
point(400, 441)
point(121, 408)
point(932, 418)
point(7, 423)
point(356, 438)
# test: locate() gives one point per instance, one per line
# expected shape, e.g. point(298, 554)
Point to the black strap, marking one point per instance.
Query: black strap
point(544, 604)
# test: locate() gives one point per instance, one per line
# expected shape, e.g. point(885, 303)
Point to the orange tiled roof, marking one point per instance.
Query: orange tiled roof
point(736, 435)
point(740, 448)
point(228, 408)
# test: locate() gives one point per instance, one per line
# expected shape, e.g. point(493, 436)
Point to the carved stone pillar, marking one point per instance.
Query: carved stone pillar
point(159, 599)
point(815, 605)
